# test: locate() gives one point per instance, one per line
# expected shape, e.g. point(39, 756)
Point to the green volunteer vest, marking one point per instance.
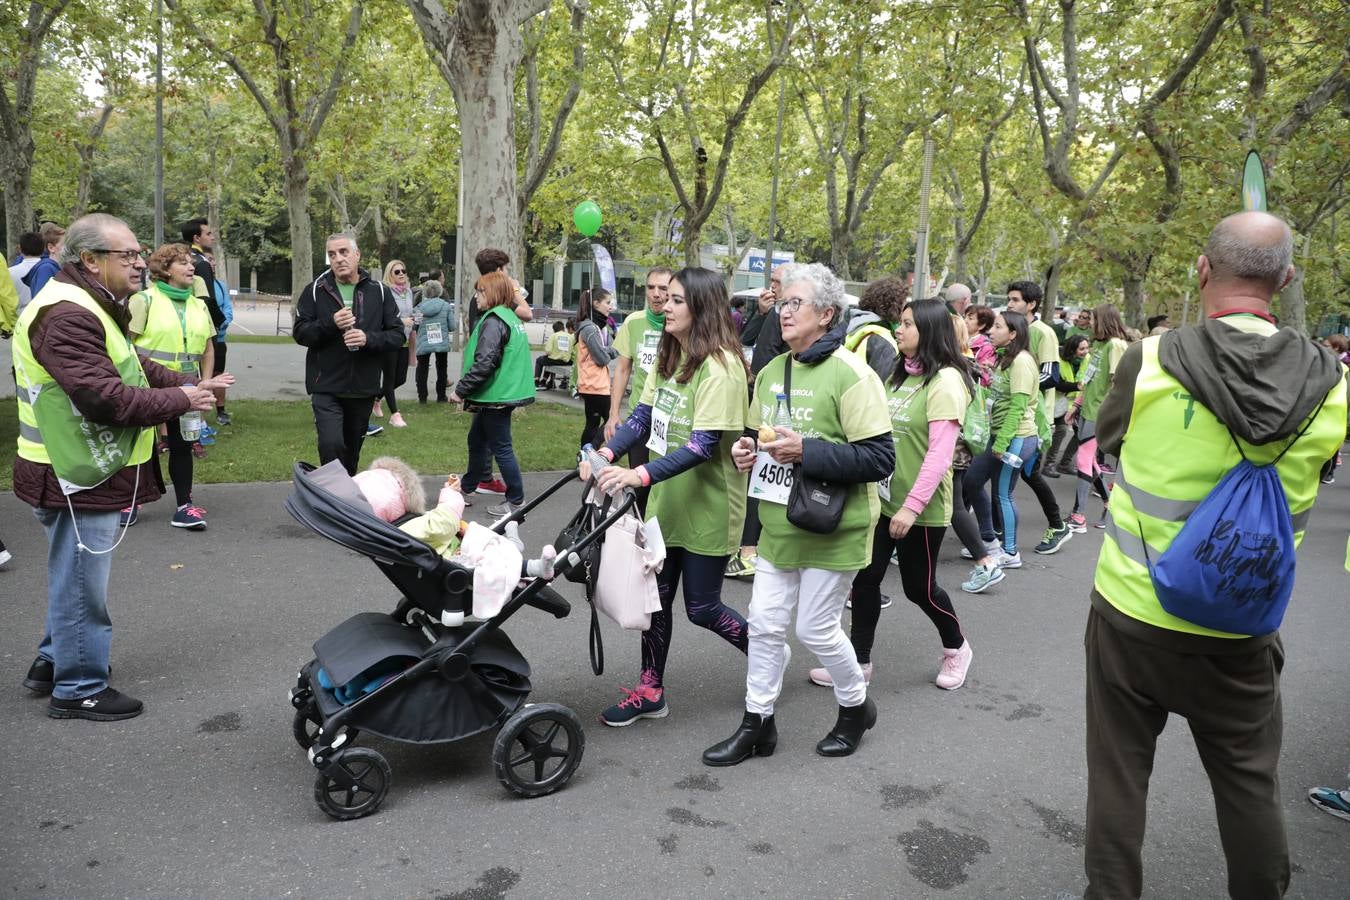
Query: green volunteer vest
point(83, 454)
point(1072, 372)
point(514, 378)
point(702, 509)
point(855, 340)
point(175, 343)
point(1174, 452)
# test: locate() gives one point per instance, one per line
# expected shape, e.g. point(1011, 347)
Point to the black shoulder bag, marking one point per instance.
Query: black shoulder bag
point(813, 505)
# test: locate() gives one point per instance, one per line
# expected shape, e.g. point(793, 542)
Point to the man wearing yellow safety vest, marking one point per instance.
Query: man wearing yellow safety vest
point(87, 410)
point(173, 327)
point(1185, 408)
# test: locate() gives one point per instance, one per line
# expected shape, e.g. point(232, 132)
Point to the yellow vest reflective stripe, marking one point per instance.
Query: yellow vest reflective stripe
point(172, 343)
point(35, 383)
point(855, 339)
point(1174, 452)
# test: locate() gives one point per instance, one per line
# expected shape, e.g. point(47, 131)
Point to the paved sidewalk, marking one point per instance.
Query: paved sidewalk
point(976, 793)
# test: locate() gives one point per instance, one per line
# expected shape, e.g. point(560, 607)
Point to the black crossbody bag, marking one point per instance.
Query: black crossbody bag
point(813, 505)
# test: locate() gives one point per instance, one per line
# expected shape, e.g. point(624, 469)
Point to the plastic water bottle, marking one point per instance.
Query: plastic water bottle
point(190, 424)
point(1010, 459)
point(781, 417)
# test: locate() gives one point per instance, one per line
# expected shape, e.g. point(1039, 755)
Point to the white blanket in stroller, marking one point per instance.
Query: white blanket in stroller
point(496, 564)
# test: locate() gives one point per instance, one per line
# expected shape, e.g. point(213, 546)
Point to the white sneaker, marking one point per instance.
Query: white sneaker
point(955, 664)
point(822, 677)
point(993, 548)
point(1009, 560)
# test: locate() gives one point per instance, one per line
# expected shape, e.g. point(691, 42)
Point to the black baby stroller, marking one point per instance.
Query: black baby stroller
point(421, 674)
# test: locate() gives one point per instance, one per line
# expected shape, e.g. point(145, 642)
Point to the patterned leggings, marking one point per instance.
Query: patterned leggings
point(702, 601)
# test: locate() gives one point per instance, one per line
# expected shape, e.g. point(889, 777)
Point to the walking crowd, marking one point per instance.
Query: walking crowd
point(808, 447)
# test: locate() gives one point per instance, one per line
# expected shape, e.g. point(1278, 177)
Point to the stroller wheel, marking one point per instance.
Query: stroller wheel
point(305, 726)
point(538, 749)
point(355, 784)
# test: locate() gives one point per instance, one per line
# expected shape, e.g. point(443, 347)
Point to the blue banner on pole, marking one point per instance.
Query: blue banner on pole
point(605, 267)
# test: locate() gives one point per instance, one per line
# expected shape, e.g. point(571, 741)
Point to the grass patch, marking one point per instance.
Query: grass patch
point(268, 436)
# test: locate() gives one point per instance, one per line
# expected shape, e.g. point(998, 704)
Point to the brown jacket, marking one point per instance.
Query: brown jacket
point(69, 343)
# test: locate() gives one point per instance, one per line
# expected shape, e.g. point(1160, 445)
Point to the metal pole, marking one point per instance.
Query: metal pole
point(159, 122)
point(773, 191)
point(462, 314)
point(921, 236)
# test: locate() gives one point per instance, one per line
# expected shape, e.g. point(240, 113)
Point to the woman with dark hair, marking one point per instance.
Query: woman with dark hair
point(1108, 346)
point(927, 395)
point(691, 412)
point(871, 329)
point(1073, 362)
point(595, 350)
point(496, 381)
point(979, 320)
point(1012, 445)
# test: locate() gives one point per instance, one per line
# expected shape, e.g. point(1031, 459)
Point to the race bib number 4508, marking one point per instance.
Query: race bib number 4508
point(770, 480)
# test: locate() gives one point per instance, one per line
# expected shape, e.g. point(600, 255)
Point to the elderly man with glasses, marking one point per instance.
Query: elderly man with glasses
point(88, 405)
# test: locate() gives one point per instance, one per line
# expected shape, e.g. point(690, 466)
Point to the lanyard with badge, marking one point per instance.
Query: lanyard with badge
point(662, 406)
point(884, 485)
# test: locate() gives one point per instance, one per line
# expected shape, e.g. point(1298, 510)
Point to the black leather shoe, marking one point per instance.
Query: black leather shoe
point(41, 677)
point(756, 736)
point(848, 729)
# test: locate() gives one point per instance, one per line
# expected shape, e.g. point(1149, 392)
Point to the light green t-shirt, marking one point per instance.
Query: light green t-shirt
point(838, 399)
point(1102, 362)
point(1019, 378)
point(638, 341)
point(912, 406)
point(701, 509)
point(1045, 349)
point(348, 292)
point(558, 346)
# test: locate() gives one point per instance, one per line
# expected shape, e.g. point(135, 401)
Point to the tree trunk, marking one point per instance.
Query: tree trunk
point(1132, 287)
point(222, 256)
point(693, 237)
point(1293, 305)
point(841, 248)
point(17, 175)
point(483, 87)
point(296, 186)
point(1051, 299)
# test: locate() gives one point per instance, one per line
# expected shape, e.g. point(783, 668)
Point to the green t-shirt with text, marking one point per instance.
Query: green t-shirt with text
point(701, 509)
point(838, 399)
point(1045, 349)
point(912, 406)
point(637, 341)
point(1019, 378)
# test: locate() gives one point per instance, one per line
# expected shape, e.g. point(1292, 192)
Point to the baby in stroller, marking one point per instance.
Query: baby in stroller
point(394, 491)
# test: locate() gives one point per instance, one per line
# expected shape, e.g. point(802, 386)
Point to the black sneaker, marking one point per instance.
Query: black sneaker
point(108, 705)
point(1054, 539)
point(41, 676)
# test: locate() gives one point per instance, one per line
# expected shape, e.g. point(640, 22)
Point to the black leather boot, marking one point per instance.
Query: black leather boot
point(848, 729)
point(756, 736)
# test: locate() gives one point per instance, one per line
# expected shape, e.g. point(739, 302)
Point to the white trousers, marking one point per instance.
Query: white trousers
point(819, 596)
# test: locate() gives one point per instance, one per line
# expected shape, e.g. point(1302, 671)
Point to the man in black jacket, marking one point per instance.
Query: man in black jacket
point(197, 234)
point(346, 321)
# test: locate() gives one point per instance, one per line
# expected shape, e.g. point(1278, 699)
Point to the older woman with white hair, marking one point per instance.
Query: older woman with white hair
point(839, 440)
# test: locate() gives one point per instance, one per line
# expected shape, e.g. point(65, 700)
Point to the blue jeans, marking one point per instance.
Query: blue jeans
point(988, 467)
point(78, 638)
point(489, 439)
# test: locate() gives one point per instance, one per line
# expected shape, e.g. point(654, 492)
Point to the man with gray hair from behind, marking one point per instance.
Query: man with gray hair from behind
point(958, 298)
point(88, 405)
point(1185, 408)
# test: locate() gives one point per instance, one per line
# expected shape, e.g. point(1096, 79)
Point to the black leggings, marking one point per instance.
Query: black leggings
point(702, 601)
point(963, 520)
point(180, 463)
point(918, 576)
point(395, 375)
point(597, 413)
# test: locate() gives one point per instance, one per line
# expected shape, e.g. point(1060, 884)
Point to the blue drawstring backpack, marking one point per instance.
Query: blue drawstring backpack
point(1231, 567)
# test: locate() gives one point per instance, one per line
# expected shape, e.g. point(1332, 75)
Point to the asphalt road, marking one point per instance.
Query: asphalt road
point(976, 793)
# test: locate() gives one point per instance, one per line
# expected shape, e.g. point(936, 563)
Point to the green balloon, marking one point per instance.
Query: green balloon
point(587, 217)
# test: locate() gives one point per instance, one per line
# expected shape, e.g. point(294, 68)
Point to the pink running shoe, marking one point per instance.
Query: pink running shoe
point(955, 664)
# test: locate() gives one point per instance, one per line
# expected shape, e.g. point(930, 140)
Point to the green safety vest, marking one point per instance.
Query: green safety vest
point(514, 378)
point(1175, 451)
point(82, 453)
point(854, 341)
point(173, 342)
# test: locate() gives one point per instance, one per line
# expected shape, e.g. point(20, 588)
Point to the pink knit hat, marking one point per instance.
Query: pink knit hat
point(383, 491)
